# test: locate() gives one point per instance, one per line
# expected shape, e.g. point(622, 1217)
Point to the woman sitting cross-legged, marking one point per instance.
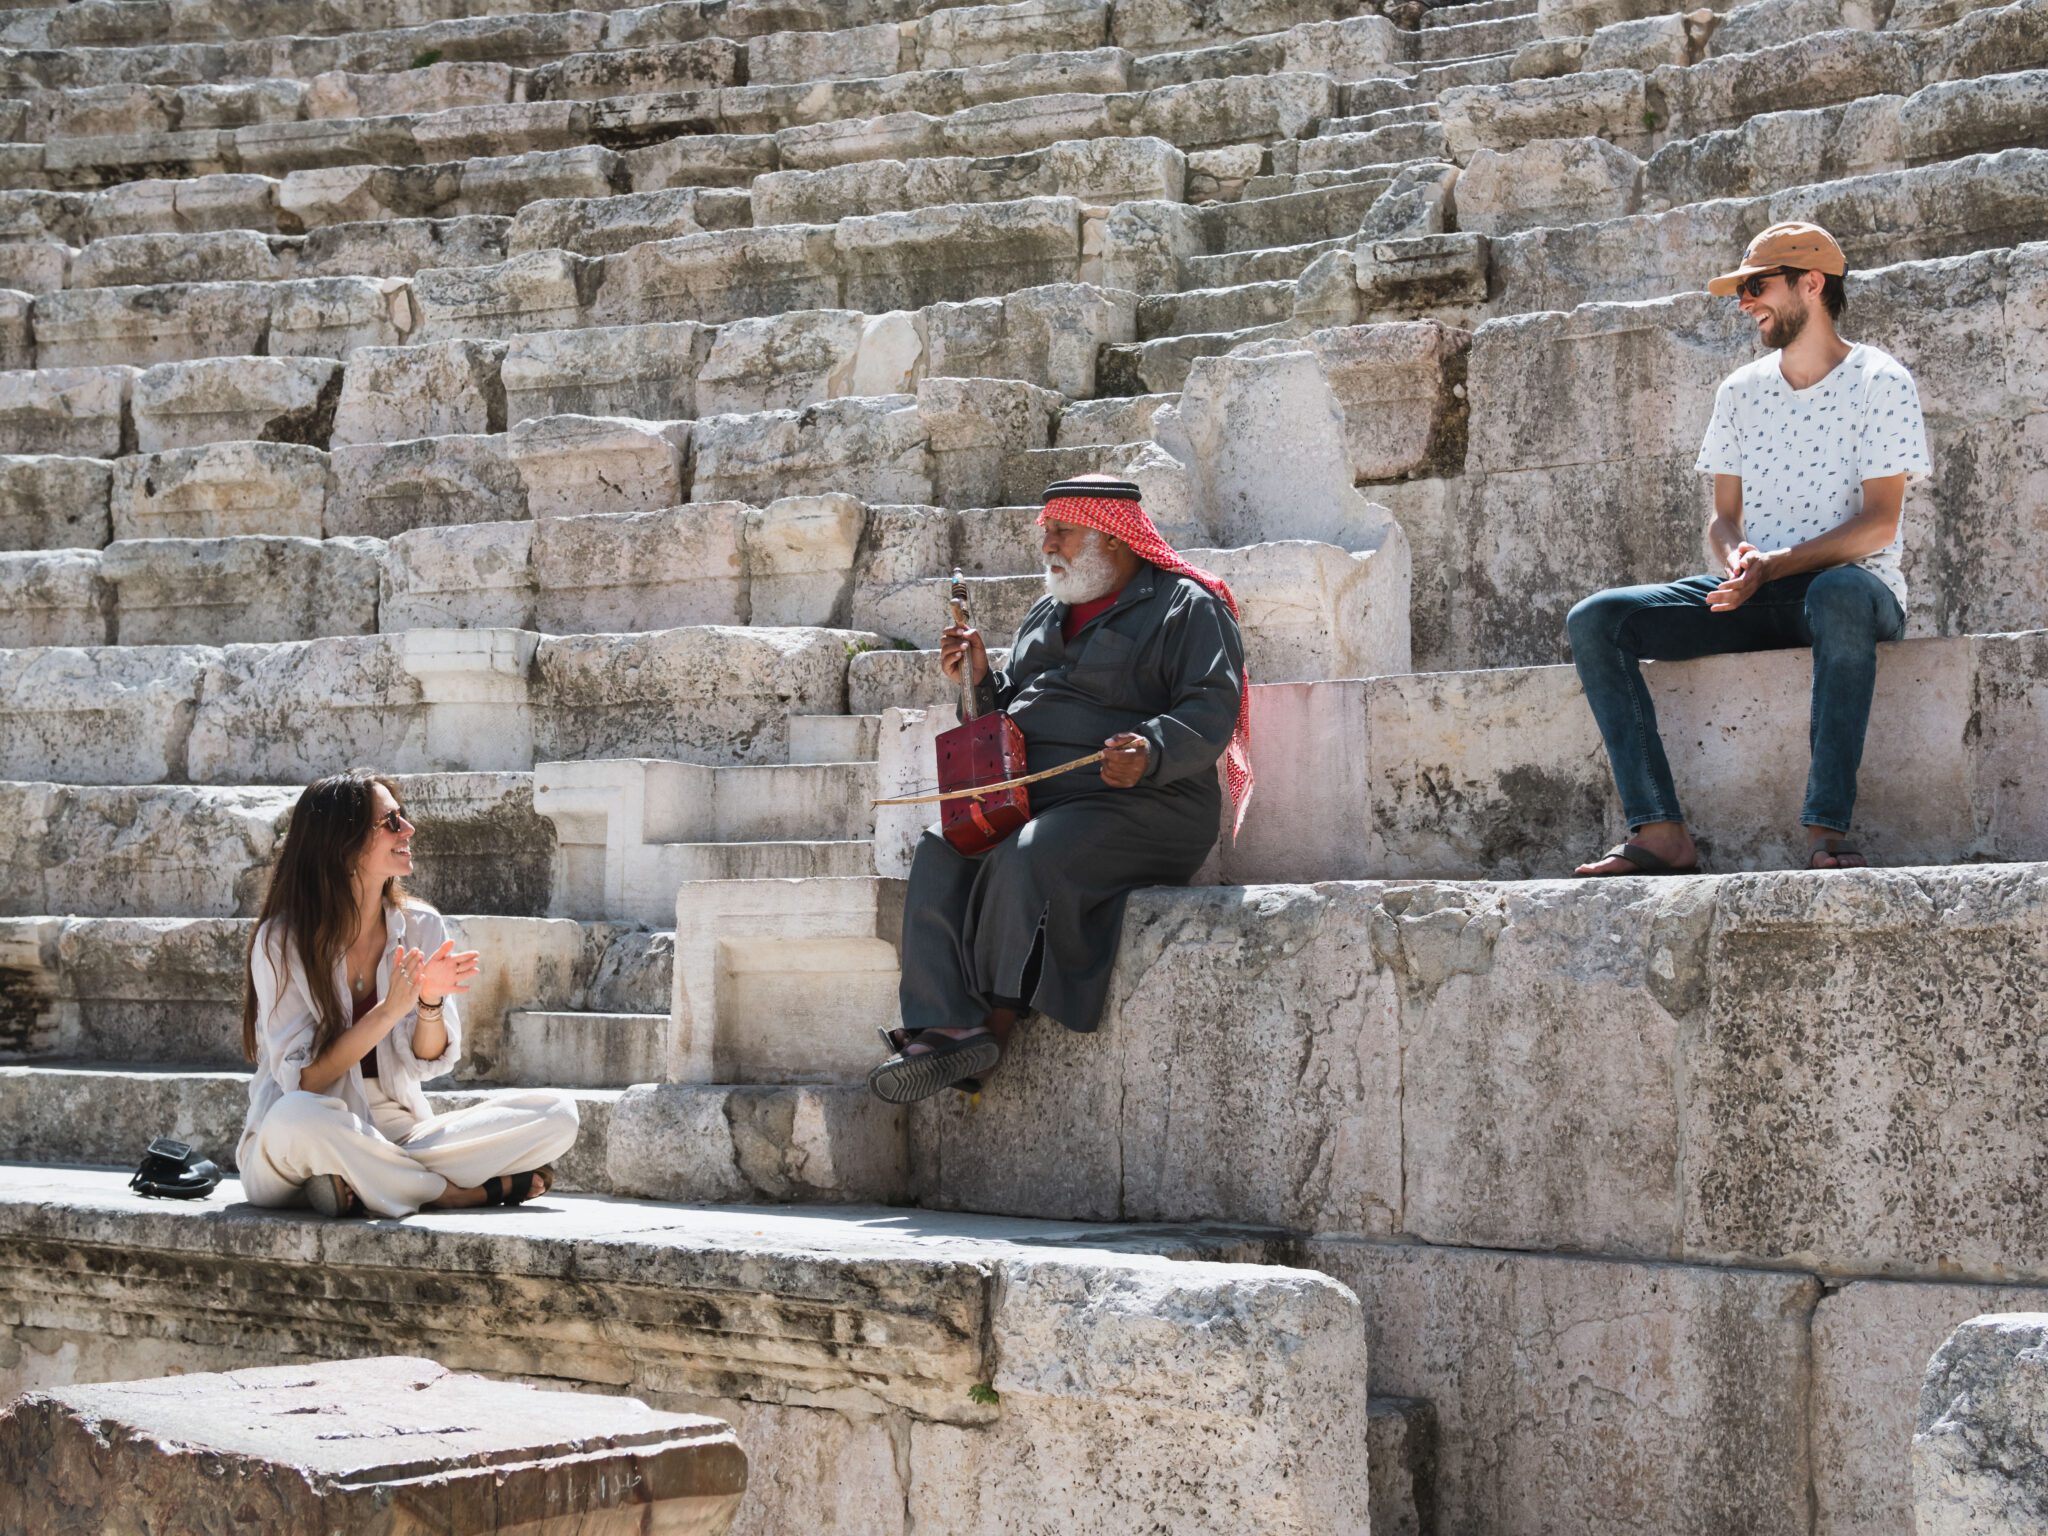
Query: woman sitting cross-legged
point(348, 1007)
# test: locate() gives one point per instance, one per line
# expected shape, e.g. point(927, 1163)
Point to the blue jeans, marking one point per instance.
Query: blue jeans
point(1841, 612)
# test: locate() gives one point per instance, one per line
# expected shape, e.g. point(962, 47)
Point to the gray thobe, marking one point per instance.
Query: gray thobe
point(1035, 922)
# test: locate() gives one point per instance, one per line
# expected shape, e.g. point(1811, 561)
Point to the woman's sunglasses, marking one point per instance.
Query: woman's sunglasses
point(393, 822)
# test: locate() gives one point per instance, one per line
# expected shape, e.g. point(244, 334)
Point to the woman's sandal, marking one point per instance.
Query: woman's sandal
point(518, 1188)
point(951, 1062)
point(330, 1195)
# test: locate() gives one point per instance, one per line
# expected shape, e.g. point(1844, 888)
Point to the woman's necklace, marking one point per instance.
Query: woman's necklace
point(359, 984)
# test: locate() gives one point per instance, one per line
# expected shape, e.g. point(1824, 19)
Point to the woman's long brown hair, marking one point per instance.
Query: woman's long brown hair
point(312, 893)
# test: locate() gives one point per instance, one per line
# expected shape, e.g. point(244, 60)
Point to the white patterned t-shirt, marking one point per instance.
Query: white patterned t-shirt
point(1803, 454)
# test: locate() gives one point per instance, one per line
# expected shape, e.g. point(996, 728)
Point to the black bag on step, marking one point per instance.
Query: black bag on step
point(171, 1168)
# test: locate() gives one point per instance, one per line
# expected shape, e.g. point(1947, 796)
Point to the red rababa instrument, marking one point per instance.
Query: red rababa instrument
point(983, 749)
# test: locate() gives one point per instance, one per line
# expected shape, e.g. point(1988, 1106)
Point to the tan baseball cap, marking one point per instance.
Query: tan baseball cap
point(1806, 246)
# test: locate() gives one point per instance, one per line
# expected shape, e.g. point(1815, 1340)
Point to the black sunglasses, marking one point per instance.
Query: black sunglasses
point(393, 822)
point(1752, 286)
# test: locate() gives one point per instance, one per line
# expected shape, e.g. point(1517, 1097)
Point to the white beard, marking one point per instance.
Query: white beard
point(1092, 575)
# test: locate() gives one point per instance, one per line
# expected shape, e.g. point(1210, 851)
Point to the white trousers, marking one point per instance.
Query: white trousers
point(402, 1163)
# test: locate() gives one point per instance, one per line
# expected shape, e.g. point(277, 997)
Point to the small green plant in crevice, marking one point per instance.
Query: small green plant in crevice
point(430, 57)
point(1649, 120)
point(981, 1392)
point(905, 645)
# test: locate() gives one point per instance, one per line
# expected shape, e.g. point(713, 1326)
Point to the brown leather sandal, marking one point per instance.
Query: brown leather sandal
point(1836, 848)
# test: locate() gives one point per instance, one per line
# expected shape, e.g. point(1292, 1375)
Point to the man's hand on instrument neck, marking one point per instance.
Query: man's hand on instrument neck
point(1124, 759)
point(961, 641)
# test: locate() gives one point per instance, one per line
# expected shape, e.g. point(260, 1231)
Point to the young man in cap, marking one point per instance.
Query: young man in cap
point(1809, 447)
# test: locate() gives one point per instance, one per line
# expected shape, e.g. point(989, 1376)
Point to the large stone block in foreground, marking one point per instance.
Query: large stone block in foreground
point(360, 1446)
point(1980, 1467)
point(887, 1370)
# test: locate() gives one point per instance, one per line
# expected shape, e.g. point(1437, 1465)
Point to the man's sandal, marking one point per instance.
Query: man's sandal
point(950, 1062)
point(1836, 848)
point(1645, 862)
point(330, 1195)
point(518, 1188)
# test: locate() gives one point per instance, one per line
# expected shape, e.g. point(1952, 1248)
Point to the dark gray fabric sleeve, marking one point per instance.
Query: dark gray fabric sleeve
point(1205, 653)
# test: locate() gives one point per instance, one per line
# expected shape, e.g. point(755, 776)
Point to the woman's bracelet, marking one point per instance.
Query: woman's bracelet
point(434, 1007)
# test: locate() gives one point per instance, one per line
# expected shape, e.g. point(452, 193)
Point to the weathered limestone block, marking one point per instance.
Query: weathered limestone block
point(1154, 25)
point(1608, 104)
point(600, 226)
point(1780, 149)
point(872, 447)
point(1106, 171)
point(34, 266)
point(1357, 48)
point(383, 489)
point(705, 694)
point(1609, 1374)
point(432, 88)
point(699, 160)
point(540, 291)
point(1645, 44)
point(1282, 402)
point(1970, 116)
point(482, 848)
point(1837, 66)
point(124, 852)
point(782, 362)
point(1977, 1455)
point(807, 1144)
point(53, 597)
point(50, 501)
point(72, 411)
point(1051, 336)
point(800, 553)
point(332, 316)
point(1548, 181)
point(228, 591)
point(924, 256)
point(643, 371)
point(1310, 610)
point(236, 399)
point(469, 575)
point(221, 491)
point(98, 715)
point(1871, 1345)
point(1581, 18)
point(401, 247)
point(672, 67)
point(507, 183)
point(239, 255)
point(351, 194)
point(577, 464)
point(1401, 389)
point(273, 149)
point(977, 429)
point(428, 701)
point(1444, 275)
point(995, 128)
point(439, 389)
point(1767, 23)
point(164, 989)
point(991, 34)
point(858, 53)
point(197, 204)
point(93, 326)
point(665, 569)
point(340, 1446)
point(718, 276)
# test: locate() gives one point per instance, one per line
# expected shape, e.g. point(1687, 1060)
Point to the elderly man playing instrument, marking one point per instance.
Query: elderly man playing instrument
point(1132, 651)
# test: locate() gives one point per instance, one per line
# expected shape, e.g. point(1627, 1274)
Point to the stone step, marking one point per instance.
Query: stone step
point(1464, 40)
point(817, 1329)
point(1261, 223)
point(1216, 309)
point(1239, 268)
point(189, 21)
point(1108, 423)
point(1163, 364)
point(1432, 80)
point(632, 831)
point(1823, 69)
point(1403, 1430)
point(659, 1140)
point(1477, 10)
point(169, 990)
point(833, 738)
point(556, 1049)
point(145, 850)
point(1380, 176)
point(480, 700)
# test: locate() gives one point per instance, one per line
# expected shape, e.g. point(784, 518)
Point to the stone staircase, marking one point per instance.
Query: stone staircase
point(579, 412)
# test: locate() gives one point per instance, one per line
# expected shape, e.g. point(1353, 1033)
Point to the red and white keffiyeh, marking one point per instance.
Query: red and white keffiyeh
point(1111, 507)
